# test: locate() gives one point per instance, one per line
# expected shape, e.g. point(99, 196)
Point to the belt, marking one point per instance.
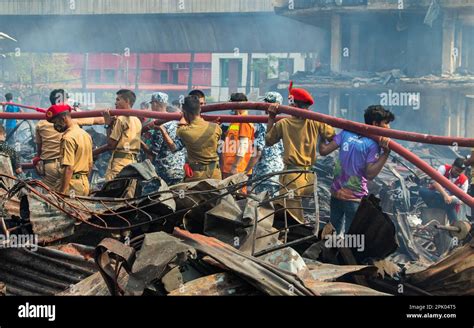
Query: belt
point(46, 161)
point(204, 167)
point(125, 155)
point(77, 176)
point(298, 167)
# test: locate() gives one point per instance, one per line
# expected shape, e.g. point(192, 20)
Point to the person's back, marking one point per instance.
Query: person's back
point(10, 124)
point(350, 178)
point(300, 138)
point(360, 159)
point(168, 164)
point(50, 140)
point(201, 140)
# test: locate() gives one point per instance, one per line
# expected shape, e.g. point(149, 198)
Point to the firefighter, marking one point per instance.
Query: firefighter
point(300, 138)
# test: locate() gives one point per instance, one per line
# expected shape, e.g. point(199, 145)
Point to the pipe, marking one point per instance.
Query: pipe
point(434, 174)
point(363, 129)
point(41, 110)
point(333, 121)
point(348, 125)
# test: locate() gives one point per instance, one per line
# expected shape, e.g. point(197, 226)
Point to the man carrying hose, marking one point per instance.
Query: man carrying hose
point(161, 142)
point(238, 146)
point(300, 138)
point(124, 136)
point(48, 141)
point(201, 140)
point(360, 159)
point(437, 197)
point(269, 159)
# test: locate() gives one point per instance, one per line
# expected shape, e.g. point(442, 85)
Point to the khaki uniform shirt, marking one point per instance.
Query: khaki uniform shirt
point(127, 131)
point(300, 139)
point(50, 139)
point(76, 149)
point(201, 140)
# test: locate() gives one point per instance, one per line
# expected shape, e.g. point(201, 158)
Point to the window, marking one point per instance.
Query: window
point(95, 75)
point(260, 70)
point(175, 77)
point(286, 65)
point(164, 77)
point(231, 72)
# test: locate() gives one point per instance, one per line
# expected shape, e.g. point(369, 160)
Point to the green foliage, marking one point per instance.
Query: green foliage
point(32, 73)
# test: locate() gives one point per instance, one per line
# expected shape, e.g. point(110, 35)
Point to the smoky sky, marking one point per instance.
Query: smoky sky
point(258, 33)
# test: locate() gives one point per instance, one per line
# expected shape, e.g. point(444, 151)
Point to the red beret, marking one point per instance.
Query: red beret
point(300, 94)
point(57, 109)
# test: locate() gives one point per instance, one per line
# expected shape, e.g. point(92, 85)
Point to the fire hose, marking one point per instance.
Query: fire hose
point(41, 110)
point(350, 125)
point(363, 129)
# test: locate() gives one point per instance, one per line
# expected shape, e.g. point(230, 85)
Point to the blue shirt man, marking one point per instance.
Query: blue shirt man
point(10, 124)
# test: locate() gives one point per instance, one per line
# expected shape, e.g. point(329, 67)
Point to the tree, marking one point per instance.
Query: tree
point(29, 74)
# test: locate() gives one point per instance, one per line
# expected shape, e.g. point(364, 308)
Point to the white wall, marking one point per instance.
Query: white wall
point(219, 93)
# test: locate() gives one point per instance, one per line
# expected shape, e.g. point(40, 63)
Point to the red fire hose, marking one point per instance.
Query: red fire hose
point(363, 129)
point(336, 122)
point(41, 110)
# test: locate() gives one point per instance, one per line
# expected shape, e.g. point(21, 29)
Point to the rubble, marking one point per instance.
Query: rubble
point(453, 275)
point(46, 271)
point(210, 238)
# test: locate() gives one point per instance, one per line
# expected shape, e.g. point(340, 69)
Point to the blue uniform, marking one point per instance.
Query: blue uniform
point(168, 165)
point(270, 161)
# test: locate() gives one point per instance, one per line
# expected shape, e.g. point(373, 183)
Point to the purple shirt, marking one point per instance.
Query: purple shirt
point(355, 152)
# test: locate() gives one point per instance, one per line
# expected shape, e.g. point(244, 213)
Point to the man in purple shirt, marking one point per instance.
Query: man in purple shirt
point(360, 159)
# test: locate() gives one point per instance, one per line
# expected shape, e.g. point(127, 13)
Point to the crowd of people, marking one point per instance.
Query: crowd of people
point(194, 149)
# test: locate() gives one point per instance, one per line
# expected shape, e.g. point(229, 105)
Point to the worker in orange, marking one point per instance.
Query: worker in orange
point(238, 146)
point(300, 140)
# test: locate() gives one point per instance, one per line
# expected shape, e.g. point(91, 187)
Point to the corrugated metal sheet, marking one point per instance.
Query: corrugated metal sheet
point(452, 276)
point(160, 33)
point(47, 222)
point(100, 7)
point(41, 272)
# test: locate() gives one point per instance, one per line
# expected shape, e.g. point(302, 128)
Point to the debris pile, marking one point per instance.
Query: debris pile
point(212, 238)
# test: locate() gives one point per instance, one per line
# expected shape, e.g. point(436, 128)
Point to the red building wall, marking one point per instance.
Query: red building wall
point(111, 68)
